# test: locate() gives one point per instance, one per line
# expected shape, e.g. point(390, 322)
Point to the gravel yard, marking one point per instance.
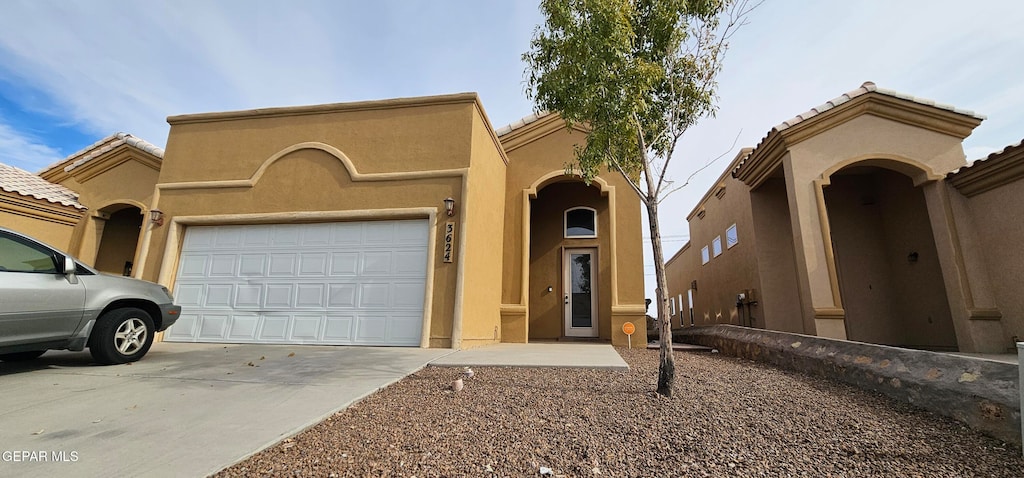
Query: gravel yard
point(729, 417)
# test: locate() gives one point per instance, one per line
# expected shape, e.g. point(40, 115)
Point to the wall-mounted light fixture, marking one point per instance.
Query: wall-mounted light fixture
point(449, 206)
point(156, 217)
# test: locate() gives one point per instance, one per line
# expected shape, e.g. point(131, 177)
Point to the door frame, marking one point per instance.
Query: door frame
point(567, 329)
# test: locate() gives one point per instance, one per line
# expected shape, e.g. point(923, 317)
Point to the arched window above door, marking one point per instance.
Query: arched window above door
point(581, 222)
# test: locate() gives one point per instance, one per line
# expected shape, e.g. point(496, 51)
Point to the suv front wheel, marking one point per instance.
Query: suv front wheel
point(121, 335)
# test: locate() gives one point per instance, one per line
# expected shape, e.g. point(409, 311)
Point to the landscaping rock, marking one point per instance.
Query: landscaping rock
point(727, 417)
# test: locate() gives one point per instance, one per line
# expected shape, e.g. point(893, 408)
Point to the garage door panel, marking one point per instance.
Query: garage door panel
point(404, 329)
point(288, 283)
point(316, 235)
point(228, 238)
point(339, 329)
point(243, 327)
point(189, 295)
point(306, 328)
point(411, 263)
point(408, 295)
point(376, 263)
point(279, 296)
point(282, 265)
point(344, 263)
point(255, 236)
point(184, 329)
point(381, 233)
point(411, 233)
point(192, 266)
point(373, 295)
point(371, 328)
point(213, 326)
point(313, 264)
point(284, 236)
point(342, 296)
point(223, 265)
point(252, 265)
point(219, 295)
point(274, 327)
point(310, 295)
point(347, 233)
point(200, 239)
point(248, 296)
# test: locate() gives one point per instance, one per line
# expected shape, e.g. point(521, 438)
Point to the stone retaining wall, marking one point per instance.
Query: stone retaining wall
point(984, 394)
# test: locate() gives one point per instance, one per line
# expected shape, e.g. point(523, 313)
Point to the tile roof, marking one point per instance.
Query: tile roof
point(519, 124)
point(865, 88)
point(102, 146)
point(19, 181)
point(981, 162)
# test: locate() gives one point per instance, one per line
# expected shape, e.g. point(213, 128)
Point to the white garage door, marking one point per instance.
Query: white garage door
point(359, 283)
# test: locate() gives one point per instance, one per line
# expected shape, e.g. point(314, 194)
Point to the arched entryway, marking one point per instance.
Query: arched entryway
point(889, 274)
point(119, 238)
point(570, 263)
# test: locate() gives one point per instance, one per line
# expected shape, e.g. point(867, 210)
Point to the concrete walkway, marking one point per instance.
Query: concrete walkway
point(546, 354)
point(184, 410)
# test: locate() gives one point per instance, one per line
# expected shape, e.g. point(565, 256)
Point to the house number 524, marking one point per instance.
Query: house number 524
point(449, 240)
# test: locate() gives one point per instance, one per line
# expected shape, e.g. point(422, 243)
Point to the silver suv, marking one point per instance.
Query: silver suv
point(49, 300)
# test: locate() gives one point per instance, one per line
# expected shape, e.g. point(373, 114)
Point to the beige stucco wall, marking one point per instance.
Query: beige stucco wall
point(359, 161)
point(865, 138)
point(732, 272)
point(538, 155)
point(878, 218)
point(123, 177)
point(779, 294)
point(997, 232)
point(49, 222)
point(483, 210)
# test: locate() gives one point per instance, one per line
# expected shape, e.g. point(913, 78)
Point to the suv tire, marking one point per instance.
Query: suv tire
point(121, 336)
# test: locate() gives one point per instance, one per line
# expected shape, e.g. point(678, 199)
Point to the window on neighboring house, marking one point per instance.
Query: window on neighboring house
point(581, 222)
point(673, 311)
point(731, 237)
point(680, 305)
point(716, 245)
point(704, 256)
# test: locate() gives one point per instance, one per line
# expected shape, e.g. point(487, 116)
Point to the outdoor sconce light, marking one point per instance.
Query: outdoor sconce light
point(912, 257)
point(156, 217)
point(449, 206)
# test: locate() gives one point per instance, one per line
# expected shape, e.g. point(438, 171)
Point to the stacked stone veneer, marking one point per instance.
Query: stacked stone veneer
point(984, 394)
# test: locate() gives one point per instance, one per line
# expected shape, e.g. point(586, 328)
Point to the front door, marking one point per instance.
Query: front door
point(580, 295)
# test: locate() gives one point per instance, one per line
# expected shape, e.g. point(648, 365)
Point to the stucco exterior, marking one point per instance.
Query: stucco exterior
point(857, 233)
point(488, 262)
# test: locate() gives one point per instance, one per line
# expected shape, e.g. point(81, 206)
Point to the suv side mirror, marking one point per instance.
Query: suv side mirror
point(69, 266)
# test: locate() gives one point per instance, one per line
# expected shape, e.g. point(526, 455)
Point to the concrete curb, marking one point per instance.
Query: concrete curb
point(983, 394)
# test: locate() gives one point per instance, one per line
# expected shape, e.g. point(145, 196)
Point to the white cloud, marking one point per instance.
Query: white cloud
point(28, 153)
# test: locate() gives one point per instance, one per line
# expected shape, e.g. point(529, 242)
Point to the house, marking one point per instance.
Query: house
point(861, 219)
point(406, 222)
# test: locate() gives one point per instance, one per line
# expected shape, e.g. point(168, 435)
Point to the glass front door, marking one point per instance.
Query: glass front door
point(580, 295)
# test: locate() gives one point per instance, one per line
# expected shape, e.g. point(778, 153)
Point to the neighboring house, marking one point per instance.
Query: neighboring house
point(37, 207)
point(113, 182)
point(861, 220)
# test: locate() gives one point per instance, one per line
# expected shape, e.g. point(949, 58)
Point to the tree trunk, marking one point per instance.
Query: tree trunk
point(667, 363)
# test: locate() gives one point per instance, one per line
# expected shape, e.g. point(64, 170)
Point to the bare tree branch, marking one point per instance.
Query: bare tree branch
point(709, 163)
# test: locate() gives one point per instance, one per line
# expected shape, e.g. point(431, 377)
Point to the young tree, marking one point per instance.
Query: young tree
point(637, 74)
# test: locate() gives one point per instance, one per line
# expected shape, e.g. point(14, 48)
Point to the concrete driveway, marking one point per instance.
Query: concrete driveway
point(184, 410)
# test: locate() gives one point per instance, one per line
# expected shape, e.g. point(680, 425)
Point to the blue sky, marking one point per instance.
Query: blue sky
point(74, 71)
